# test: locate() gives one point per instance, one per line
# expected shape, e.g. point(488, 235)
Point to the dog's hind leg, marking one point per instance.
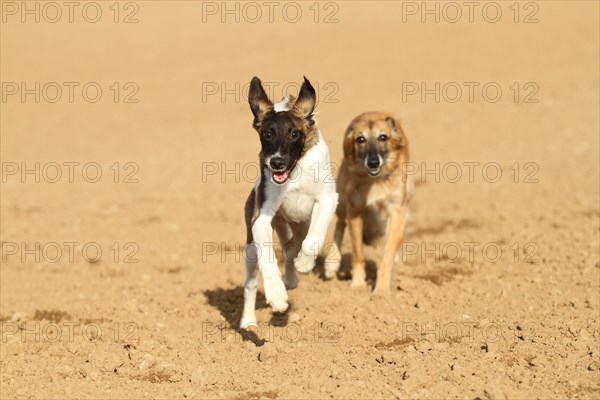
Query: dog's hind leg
point(300, 230)
point(290, 249)
point(250, 287)
point(251, 258)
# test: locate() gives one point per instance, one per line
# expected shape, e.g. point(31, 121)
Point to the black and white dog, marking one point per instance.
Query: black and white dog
point(295, 194)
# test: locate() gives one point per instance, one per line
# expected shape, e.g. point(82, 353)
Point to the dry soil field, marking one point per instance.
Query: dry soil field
point(127, 155)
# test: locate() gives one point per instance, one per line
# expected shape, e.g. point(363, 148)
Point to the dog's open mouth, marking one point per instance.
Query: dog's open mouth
point(374, 172)
point(281, 177)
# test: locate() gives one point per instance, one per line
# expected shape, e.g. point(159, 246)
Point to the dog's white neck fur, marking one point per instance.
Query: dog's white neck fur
point(283, 105)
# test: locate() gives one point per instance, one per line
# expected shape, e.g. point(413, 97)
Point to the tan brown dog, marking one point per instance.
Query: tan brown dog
point(373, 194)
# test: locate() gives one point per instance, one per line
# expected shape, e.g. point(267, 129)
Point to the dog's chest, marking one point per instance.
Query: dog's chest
point(297, 206)
point(308, 181)
point(382, 194)
point(377, 195)
point(311, 178)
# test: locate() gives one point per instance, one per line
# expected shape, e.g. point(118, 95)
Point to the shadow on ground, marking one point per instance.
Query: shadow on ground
point(230, 303)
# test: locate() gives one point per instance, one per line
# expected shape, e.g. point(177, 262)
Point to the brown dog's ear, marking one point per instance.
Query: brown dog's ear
point(259, 101)
point(393, 123)
point(305, 104)
point(348, 143)
point(396, 130)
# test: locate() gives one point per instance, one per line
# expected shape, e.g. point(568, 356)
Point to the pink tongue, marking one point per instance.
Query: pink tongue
point(280, 177)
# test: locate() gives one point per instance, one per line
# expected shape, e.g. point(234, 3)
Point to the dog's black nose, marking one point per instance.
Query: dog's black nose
point(373, 162)
point(277, 163)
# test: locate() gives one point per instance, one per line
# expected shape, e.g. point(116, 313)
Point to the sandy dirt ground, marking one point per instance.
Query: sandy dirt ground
point(128, 284)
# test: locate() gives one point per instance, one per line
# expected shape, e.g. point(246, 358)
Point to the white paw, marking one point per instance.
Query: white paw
point(290, 280)
point(276, 294)
point(331, 270)
point(248, 322)
point(305, 262)
point(332, 264)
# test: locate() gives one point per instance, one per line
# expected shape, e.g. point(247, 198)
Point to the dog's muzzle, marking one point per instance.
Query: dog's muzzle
point(279, 171)
point(277, 164)
point(373, 163)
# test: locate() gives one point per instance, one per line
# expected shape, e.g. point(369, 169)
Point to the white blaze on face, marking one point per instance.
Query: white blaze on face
point(268, 159)
point(280, 177)
point(283, 105)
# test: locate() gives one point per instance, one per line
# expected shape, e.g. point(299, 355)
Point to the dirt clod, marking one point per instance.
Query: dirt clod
point(268, 352)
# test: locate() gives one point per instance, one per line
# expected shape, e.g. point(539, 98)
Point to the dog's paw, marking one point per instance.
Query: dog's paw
point(276, 294)
point(290, 280)
point(330, 273)
point(359, 278)
point(331, 269)
point(380, 292)
point(248, 322)
point(305, 262)
point(332, 265)
point(358, 283)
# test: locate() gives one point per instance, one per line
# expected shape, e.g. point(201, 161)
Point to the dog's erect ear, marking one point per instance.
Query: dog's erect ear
point(305, 104)
point(259, 101)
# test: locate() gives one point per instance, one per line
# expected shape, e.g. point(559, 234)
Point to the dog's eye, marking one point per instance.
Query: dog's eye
point(268, 134)
point(294, 134)
point(383, 138)
point(361, 139)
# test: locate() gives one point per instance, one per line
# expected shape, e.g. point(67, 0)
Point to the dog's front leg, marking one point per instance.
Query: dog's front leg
point(321, 217)
point(393, 240)
point(275, 292)
point(355, 224)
